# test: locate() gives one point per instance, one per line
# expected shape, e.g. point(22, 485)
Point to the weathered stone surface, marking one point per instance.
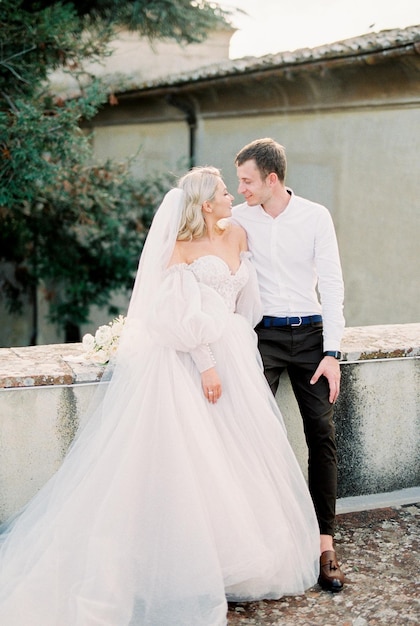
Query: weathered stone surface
point(44, 365)
point(34, 366)
point(381, 342)
point(377, 419)
point(43, 397)
point(37, 425)
point(379, 553)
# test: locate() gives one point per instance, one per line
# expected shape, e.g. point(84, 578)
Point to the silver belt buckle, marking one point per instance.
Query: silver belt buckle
point(300, 321)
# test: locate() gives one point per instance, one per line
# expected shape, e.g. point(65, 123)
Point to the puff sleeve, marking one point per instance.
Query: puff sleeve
point(187, 316)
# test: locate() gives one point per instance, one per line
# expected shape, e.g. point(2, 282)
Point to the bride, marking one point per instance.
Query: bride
point(181, 492)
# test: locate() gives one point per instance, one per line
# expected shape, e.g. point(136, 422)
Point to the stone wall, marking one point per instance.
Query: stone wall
point(43, 399)
point(377, 415)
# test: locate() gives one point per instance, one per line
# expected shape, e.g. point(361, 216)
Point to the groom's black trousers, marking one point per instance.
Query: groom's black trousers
point(298, 349)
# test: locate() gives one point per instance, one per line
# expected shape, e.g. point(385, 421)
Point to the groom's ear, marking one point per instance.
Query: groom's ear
point(272, 179)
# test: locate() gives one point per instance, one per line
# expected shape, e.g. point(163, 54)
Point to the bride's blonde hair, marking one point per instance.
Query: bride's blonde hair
point(199, 185)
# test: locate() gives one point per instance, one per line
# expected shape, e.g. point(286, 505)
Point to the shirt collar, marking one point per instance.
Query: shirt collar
point(292, 196)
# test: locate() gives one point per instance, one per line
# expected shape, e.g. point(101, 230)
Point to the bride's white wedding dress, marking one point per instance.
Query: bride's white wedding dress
point(166, 505)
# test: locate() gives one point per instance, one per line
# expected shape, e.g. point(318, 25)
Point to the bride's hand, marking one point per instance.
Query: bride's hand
point(212, 387)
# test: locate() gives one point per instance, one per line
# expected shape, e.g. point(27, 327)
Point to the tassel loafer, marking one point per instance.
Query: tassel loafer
point(331, 578)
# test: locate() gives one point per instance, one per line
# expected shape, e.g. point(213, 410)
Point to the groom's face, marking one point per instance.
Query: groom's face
point(254, 189)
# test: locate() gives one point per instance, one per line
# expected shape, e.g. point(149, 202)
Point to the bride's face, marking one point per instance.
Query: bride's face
point(221, 204)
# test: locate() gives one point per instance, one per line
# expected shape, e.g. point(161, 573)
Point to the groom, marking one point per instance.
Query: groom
point(295, 254)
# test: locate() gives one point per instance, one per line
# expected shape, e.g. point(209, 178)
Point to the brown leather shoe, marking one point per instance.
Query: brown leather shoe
point(331, 577)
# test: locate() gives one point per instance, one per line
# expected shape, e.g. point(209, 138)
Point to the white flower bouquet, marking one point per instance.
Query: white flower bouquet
point(101, 347)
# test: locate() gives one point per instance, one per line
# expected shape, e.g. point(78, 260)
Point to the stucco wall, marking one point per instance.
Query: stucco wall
point(134, 59)
point(37, 424)
point(156, 147)
point(361, 163)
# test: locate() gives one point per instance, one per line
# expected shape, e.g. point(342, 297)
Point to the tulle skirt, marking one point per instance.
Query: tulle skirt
point(166, 506)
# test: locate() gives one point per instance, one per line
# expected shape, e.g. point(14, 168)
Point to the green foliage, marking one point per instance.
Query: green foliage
point(41, 137)
point(67, 223)
point(91, 228)
point(36, 41)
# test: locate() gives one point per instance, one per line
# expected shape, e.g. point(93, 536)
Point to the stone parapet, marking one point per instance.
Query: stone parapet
point(35, 366)
point(43, 398)
point(390, 341)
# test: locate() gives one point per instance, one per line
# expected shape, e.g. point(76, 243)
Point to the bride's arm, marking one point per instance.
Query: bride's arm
point(189, 317)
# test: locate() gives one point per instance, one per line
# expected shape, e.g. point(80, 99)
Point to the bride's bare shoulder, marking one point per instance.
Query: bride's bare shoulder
point(238, 234)
point(178, 254)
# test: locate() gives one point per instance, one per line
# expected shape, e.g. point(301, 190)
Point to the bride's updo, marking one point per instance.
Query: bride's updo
point(199, 185)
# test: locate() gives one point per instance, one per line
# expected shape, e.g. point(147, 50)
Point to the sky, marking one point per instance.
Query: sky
point(272, 26)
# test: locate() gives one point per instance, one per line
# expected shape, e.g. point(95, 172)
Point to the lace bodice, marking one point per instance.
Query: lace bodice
point(215, 273)
point(197, 301)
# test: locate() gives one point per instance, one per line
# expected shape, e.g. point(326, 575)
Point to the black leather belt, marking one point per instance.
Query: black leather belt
point(269, 322)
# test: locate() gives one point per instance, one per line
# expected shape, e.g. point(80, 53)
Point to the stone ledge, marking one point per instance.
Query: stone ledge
point(35, 366)
point(390, 341)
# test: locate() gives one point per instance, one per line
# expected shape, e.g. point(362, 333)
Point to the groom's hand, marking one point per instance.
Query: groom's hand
point(330, 368)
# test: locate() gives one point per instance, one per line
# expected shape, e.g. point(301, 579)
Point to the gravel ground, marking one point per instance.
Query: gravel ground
point(379, 552)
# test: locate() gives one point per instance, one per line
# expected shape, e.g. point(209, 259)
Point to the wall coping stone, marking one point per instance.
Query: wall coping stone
point(387, 341)
point(34, 366)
